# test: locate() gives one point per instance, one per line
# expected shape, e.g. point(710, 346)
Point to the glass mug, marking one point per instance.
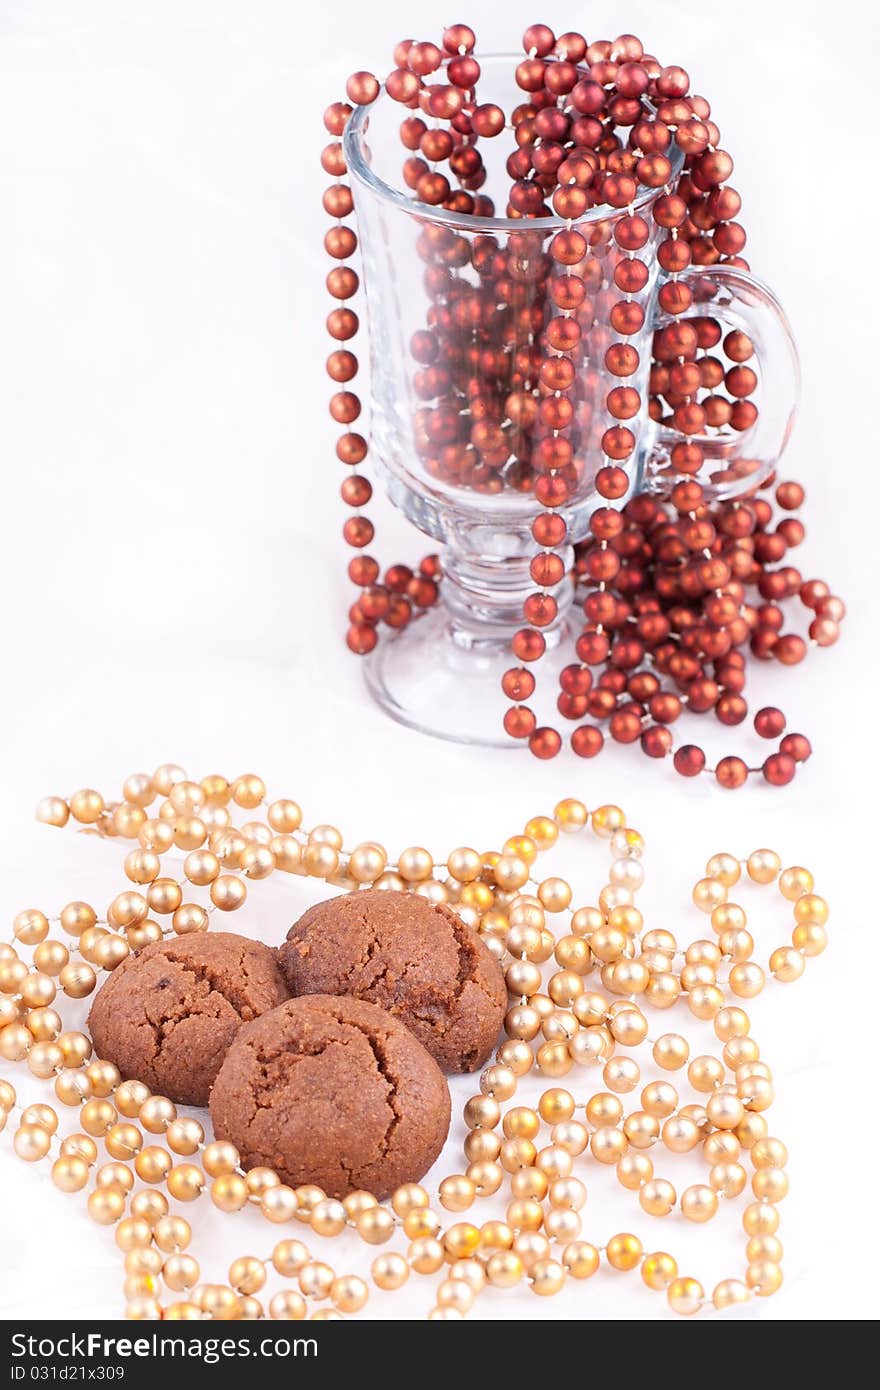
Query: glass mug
point(441, 674)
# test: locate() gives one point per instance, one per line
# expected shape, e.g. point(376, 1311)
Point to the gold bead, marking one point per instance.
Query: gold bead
point(247, 1275)
point(288, 1306)
point(787, 964)
point(289, 1256)
point(143, 1310)
point(769, 1153)
point(15, 1042)
point(116, 1175)
point(130, 1096)
point(671, 1051)
point(189, 917)
point(634, 1170)
point(546, 1277)
point(50, 957)
point(220, 1303)
point(31, 1142)
point(157, 1113)
point(724, 867)
point(811, 910)
point(511, 872)
point(764, 1278)
point(571, 815)
point(608, 1145)
point(554, 894)
point(127, 909)
point(181, 1272)
point(248, 791)
point(185, 1182)
point(80, 1146)
point(606, 819)
point(621, 1074)
point(603, 1108)
point(184, 1136)
point(349, 1294)
point(760, 1219)
point(504, 1269)
point(794, 882)
point(659, 1269)
point(415, 865)
point(70, 1173)
point(763, 866)
point(315, 1279)
point(77, 980)
point(153, 1164)
point(278, 1204)
point(810, 937)
point(106, 1205)
point(30, 927)
point(542, 831)
point(77, 917)
point(727, 1179)
point(37, 991)
point(220, 1158)
point(680, 1134)
point(164, 896)
point(53, 810)
point(699, 1203)
point(228, 892)
point(97, 1116)
point(86, 806)
point(708, 894)
point(328, 1218)
point(457, 1193)
point(624, 1251)
point(770, 1184)
point(367, 863)
point(389, 1271)
point(133, 1233)
point(320, 860)
point(685, 1296)
point(375, 1225)
point(461, 1240)
point(729, 1292)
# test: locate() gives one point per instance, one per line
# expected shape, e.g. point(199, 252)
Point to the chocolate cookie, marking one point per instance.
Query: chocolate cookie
point(332, 1091)
point(419, 962)
point(167, 1014)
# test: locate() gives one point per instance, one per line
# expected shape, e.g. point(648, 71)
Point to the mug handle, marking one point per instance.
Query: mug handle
point(736, 461)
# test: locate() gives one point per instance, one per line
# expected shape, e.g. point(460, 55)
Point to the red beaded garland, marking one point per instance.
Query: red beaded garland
point(662, 585)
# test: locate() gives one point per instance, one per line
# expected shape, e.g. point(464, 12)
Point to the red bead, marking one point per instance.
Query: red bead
point(769, 722)
point(779, 769)
point(656, 741)
point(797, 747)
point(361, 638)
point(545, 743)
point(362, 88)
point(587, 741)
point(528, 645)
point(731, 772)
point(519, 721)
point(689, 760)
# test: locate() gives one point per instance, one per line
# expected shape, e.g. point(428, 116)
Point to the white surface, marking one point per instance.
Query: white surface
point(173, 582)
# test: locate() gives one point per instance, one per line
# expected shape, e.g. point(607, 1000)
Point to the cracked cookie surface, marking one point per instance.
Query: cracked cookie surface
point(417, 960)
point(334, 1091)
point(167, 1014)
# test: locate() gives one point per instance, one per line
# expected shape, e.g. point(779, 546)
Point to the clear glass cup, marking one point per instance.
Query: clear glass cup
point(441, 674)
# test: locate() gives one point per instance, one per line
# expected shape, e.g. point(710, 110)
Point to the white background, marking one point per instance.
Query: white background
point(173, 578)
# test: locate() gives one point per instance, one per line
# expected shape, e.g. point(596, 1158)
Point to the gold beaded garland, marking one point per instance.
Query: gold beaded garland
point(559, 1022)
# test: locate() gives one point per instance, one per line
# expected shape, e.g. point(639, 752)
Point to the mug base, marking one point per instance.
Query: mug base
point(436, 679)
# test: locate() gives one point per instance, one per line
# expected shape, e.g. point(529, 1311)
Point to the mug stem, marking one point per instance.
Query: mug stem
point(483, 596)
